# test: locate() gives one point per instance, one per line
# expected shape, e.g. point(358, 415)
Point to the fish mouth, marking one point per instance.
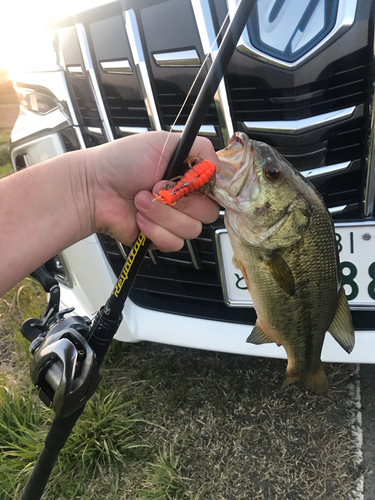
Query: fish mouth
point(237, 138)
point(237, 162)
point(234, 155)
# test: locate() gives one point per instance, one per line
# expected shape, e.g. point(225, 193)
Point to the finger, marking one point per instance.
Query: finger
point(203, 148)
point(163, 239)
point(199, 207)
point(175, 221)
point(196, 206)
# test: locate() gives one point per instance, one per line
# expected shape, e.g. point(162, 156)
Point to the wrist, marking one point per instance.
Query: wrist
point(80, 187)
point(46, 206)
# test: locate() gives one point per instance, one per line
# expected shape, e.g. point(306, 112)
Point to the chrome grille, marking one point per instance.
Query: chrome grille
point(78, 82)
point(187, 282)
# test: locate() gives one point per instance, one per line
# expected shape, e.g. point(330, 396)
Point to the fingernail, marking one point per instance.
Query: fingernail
point(144, 202)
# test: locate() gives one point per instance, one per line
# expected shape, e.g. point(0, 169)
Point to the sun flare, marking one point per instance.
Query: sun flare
point(24, 38)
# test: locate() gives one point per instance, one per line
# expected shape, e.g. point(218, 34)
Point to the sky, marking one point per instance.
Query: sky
point(21, 27)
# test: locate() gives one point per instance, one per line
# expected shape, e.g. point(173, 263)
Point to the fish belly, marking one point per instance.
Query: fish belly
point(298, 322)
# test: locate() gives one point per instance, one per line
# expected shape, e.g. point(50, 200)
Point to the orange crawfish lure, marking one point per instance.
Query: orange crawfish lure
point(197, 179)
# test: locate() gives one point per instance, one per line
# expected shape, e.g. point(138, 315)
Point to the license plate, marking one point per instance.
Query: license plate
point(356, 244)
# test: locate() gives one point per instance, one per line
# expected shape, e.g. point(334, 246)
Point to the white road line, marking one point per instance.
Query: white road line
point(355, 421)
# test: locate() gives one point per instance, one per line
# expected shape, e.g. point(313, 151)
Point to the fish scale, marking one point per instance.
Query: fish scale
point(283, 240)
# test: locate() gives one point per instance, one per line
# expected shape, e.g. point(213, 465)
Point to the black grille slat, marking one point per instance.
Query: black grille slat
point(171, 105)
point(176, 261)
point(125, 112)
point(175, 273)
point(191, 280)
point(294, 111)
point(257, 101)
point(87, 108)
point(182, 296)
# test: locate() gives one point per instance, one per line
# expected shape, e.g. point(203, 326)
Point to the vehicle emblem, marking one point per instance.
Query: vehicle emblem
point(286, 32)
point(287, 29)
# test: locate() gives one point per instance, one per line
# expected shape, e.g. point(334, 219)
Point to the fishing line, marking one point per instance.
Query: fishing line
point(108, 319)
point(120, 245)
point(190, 91)
point(114, 306)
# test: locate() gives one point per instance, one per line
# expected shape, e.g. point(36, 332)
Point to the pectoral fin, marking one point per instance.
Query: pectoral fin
point(258, 336)
point(341, 327)
point(281, 272)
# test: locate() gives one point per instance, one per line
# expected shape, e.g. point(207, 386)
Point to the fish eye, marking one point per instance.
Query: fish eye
point(272, 172)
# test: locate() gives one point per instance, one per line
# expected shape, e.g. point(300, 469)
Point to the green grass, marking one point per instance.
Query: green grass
point(21, 439)
point(164, 479)
point(177, 424)
point(106, 437)
point(6, 170)
point(26, 300)
point(5, 163)
point(4, 136)
point(4, 156)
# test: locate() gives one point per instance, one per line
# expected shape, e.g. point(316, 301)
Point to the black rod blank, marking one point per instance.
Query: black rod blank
point(116, 302)
point(109, 318)
point(209, 87)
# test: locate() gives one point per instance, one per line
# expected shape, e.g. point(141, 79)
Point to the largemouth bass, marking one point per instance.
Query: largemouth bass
point(283, 241)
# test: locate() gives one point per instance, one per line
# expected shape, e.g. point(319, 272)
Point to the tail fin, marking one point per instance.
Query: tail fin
point(316, 382)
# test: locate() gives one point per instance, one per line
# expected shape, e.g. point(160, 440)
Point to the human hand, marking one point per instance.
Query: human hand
point(120, 177)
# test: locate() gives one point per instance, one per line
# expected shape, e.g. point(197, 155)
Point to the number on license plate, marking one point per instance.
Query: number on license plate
point(352, 249)
point(356, 245)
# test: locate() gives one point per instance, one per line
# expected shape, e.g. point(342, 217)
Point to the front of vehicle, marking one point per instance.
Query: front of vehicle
point(307, 90)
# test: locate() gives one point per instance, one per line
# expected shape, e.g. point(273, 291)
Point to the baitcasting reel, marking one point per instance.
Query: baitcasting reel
point(64, 366)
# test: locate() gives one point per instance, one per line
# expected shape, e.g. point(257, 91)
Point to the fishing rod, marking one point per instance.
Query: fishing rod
point(68, 352)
